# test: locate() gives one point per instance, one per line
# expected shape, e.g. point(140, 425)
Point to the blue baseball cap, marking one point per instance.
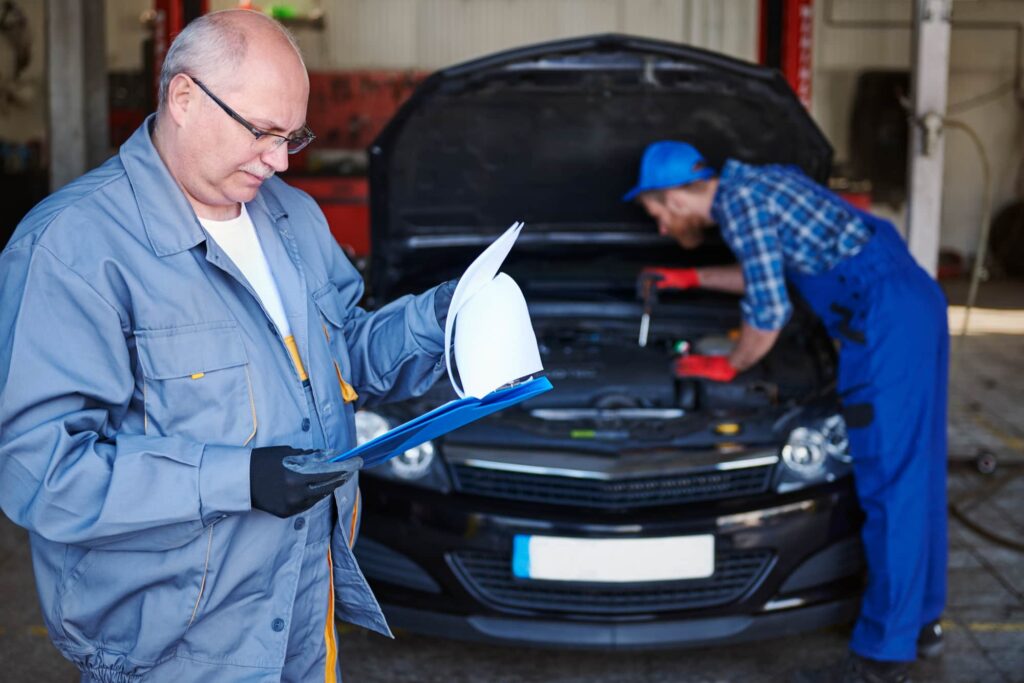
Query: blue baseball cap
point(669, 164)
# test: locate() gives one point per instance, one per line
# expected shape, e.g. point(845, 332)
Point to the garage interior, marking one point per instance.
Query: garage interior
point(922, 101)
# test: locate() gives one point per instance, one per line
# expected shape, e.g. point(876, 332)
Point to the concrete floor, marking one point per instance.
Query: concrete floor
point(984, 620)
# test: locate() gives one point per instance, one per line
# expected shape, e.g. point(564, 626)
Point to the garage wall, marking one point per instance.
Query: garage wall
point(125, 33)
point(980, 61)
point(430, 34)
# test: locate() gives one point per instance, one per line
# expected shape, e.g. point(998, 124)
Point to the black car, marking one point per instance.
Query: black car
point(627, 507)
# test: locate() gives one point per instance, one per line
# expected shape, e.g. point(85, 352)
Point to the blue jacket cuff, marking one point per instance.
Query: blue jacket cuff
point(223, 482)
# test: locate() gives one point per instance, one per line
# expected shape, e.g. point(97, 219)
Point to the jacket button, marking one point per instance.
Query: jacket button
point(277, 625)
point(300, 523)
point(305, 424)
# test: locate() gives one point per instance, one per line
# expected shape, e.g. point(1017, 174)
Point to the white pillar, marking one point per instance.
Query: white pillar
point(77, 82)
point(930, 60)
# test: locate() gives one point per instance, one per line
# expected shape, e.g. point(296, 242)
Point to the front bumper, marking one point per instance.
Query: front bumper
point(440, 565)
point(649, 635)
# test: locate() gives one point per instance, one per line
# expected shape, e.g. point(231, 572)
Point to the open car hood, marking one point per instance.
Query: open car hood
point(552, 134)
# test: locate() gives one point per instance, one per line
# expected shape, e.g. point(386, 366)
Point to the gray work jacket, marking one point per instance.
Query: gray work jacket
point(137, 370)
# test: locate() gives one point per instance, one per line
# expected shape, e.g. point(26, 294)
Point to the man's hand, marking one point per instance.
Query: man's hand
point(667, 278)
point(285, 481)
point(716, 368)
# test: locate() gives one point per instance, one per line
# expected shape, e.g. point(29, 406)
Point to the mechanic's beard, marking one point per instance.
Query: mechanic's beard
point(259, 170)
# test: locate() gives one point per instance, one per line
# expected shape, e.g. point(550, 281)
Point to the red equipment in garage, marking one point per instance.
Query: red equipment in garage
point(345, 203)
point(169, 17)
point(347, 109)
point(787, 41)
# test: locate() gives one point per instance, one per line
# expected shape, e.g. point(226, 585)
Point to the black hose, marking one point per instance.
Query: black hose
point(985, 532)
point(986, 491)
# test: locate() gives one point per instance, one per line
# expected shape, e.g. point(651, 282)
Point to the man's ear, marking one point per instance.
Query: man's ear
point(181, 95)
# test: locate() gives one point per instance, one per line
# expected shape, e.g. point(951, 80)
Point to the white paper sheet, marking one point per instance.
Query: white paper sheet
point(494, 339)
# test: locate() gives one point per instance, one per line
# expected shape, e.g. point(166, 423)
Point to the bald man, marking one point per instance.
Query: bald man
point(180, 348)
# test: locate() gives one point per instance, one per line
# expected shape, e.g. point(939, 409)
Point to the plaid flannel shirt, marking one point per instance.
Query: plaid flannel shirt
point(775, 218)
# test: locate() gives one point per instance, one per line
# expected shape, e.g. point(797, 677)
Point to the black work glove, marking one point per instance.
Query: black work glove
point(285, 481)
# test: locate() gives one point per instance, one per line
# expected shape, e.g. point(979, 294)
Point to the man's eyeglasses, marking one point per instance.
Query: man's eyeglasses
point(296, 143)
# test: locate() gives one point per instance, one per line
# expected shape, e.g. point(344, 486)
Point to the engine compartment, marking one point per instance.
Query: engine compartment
point(601, 366)
point(612, 394)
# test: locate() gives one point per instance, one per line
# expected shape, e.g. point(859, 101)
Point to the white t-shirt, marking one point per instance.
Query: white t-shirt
point(237, 237)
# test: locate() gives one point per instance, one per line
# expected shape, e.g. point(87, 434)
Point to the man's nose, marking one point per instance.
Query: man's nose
point(276, 158)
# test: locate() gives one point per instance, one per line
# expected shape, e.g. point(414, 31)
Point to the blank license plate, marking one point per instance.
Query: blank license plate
point(613, 560)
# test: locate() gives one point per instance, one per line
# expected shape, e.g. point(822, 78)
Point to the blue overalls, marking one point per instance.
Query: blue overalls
point(889, 317)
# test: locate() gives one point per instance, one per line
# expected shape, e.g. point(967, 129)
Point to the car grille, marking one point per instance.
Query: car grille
point(674, 489)
point(489, 576)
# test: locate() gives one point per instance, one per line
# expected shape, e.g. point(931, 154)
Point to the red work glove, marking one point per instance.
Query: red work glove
point(716, 368)
point(670, 278)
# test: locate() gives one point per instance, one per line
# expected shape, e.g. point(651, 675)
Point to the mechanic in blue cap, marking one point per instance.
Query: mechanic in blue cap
point(889, 318)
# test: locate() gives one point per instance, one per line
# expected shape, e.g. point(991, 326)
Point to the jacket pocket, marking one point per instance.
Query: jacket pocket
point(332, 320)
point(197, 383)
point(133, 603)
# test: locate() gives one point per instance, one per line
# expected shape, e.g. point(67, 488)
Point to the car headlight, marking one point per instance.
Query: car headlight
point(804, 453)
point(815, 452)
point(369, 426)
point(419, 466)
point(415, 462)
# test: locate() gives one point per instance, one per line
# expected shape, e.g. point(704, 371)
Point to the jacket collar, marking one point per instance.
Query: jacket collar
point(168, 218)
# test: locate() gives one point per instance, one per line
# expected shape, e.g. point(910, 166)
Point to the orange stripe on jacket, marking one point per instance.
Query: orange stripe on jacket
point(331, 660)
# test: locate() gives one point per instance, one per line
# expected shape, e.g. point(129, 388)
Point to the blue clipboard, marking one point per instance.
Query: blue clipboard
point(441, 420)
